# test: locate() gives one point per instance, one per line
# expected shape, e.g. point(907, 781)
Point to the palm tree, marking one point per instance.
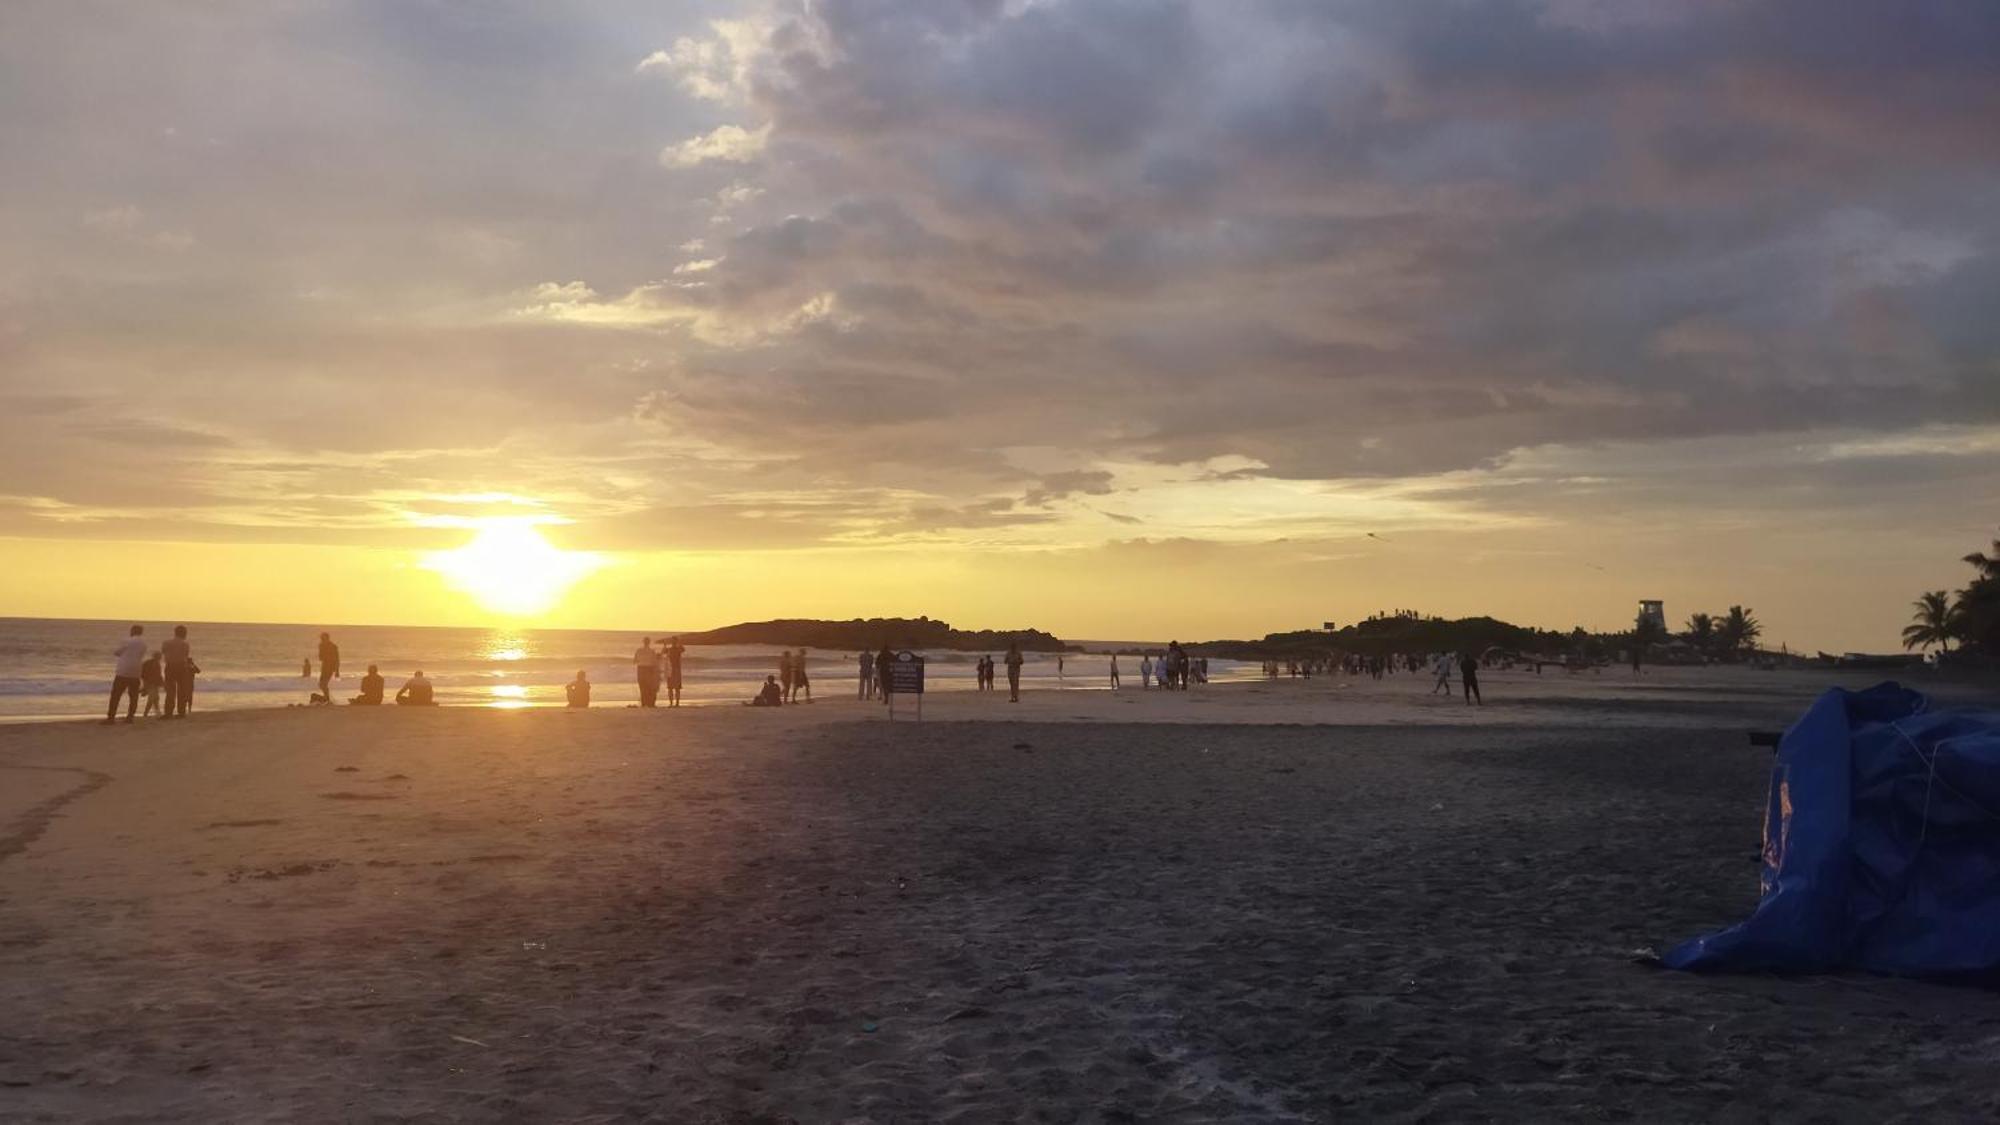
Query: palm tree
point(1987, 565)
point(1701, 631)
point(1934, 622)
point(1739, 630)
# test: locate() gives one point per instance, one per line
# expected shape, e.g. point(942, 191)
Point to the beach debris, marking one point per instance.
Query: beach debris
point(347, 769)
point(969, 1013)
point(474, 1042)
point(534, 945)
point(1024, 746)
point(871, 1027)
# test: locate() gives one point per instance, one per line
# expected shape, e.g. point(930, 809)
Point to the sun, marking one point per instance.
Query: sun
point(509, 568)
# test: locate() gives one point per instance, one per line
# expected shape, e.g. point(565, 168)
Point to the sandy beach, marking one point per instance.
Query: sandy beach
point(1271, 902)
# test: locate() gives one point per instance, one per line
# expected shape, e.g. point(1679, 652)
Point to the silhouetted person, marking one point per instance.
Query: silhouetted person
point(416, 693)
point(673, 655)
point(800, 681)
point(866, 662)
point(371, 690)
point(785, 673)
point(1468, 674)
point(150, 680)
point(306, 667)
point(1014, 671)
point(646, 659)
point(131, 654)
point(771, 696)
point(883, 660)
point(578, 690)
point(178, 660)
point(329, 665)
point(1114, 671)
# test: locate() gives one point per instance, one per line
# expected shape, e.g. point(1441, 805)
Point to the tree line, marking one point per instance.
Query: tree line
point(1970, 617)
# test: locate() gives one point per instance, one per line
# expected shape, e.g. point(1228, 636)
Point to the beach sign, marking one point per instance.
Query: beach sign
point(906, 677)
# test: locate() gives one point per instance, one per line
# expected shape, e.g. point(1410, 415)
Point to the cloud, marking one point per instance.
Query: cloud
point(730, 144)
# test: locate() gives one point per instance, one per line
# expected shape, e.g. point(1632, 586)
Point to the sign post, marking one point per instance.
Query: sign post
point(906, 674)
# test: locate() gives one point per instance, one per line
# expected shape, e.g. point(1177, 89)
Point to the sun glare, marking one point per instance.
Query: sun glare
point(509, 568)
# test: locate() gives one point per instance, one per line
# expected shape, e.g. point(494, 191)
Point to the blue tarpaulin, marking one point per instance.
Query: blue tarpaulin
point(1881, 845)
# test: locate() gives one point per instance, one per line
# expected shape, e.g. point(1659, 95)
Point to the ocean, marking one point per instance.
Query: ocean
point(59, 669)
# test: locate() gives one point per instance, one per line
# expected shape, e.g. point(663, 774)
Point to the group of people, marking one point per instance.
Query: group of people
point(652, 665)
point(985, 669)
point(143, 672)
point(415, 692)
point(1174, 669)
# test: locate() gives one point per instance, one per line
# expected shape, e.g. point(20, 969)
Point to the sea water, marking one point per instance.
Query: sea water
point(53, 669)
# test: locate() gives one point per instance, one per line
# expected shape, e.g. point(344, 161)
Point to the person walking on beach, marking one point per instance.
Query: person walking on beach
point(578, 690)
point(131, 656)
point(866, 690)
point(1014, 671)
point(785, 674)
point(646, 663)
point(1443, 670)
point(1114, 671)
point(800, 681)
point(882, 661)
point(177, 658)
point(673, 653)
point(149, 682)
point(1468, 675)
point(329, 666)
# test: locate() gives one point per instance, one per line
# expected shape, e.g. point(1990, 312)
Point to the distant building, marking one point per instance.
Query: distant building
point(1653, 610)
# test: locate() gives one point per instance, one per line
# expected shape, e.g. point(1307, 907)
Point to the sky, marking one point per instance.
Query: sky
point(1119, 319)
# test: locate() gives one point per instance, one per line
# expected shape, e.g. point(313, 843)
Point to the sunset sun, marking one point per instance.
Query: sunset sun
point(509, 568)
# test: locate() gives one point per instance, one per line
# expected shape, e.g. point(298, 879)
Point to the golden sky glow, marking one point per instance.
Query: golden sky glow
point(1117, 320)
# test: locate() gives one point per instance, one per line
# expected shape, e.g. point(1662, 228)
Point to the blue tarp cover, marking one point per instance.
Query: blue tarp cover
point(1881, 845)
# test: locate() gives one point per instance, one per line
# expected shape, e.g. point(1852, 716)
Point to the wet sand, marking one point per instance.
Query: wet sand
point(1078, 914)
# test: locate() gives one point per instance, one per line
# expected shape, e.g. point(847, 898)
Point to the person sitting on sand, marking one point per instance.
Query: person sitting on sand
point(416, 693)
point(578, 691)
point(371, 690)
point(771, 696)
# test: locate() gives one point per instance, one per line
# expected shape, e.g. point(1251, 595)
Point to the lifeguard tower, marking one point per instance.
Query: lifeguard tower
point(1654, 610)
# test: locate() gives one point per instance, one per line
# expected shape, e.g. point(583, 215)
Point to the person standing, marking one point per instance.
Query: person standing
point(177, 657)
point(800, 681)
point(1443, 670)
point(785, 675)
point(646, 663)
point(1114, 671)
point(1468, 674)
point(149, 682)
point(329, 665)
point(1145, 671)
point(131, 656)
point(1014, 659)
point(866, 690)
point(673, 654)
point(882, 661)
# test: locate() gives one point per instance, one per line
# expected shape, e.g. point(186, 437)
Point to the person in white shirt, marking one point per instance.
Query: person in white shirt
point(647, 660)
point(1146, 670)
point(125, 679)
